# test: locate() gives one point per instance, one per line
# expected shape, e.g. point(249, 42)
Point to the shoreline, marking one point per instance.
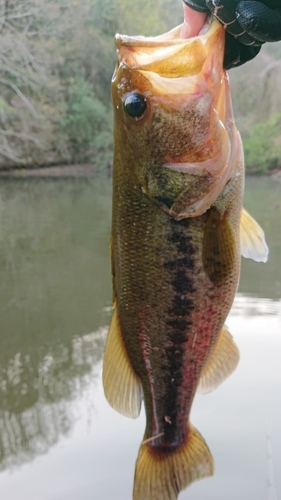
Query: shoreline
point(76, 170)
point(87, 170)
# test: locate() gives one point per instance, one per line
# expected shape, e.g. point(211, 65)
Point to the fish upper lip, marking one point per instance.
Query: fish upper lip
point(168, 39)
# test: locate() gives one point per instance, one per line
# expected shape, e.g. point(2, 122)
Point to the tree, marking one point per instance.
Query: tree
point(263, 145)
point(21, 74)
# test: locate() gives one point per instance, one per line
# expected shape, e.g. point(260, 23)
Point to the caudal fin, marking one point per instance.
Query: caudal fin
point(163, 476)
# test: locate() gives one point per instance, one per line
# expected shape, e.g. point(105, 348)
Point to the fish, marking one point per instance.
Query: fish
point(178, 232)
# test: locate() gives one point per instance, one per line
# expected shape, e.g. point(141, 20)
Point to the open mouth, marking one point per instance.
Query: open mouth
point(168, 55)
point(171, 37)
point(169, 62)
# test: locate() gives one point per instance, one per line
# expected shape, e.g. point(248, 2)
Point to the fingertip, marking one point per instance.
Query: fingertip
point(193, 22)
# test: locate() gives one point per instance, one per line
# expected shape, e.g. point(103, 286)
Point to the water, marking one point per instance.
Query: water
point(59, 439)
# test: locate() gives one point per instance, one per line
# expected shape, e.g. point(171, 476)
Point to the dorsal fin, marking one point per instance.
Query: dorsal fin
point(221, 364)
point(122, 387)
point(253, 245)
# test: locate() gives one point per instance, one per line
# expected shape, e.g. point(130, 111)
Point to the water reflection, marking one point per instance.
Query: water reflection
point(54, 284)
point(36, 396)
point(54, 287)
point(246, 305)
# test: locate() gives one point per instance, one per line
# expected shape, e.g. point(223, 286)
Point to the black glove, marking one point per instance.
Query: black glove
point(248, 25)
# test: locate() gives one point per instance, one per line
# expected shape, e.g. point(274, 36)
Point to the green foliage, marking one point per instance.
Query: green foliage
point(263, 146)
point(86, 122)
point(257, 104)
point(55, 103)
point(57, 58)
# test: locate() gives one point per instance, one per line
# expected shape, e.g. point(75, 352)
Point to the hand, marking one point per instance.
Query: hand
point(248, 25)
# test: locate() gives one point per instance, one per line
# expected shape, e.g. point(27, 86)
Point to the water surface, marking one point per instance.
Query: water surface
point(59, 439)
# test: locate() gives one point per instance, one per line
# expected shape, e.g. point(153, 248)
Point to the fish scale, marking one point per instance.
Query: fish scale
point(178, 230)
point(167, 311)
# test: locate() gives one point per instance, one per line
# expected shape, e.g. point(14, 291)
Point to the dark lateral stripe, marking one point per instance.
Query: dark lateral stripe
point(178, 325)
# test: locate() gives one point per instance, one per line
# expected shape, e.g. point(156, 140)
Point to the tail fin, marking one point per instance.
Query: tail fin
point(162, 477)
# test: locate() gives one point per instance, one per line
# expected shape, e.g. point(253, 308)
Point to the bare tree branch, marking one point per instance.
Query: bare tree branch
point(22, 135)
point(20, 94)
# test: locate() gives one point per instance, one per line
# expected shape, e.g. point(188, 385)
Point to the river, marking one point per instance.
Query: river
point(59, 439)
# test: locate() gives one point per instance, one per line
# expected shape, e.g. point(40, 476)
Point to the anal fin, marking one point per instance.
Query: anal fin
point(253, 245)
point(221, 364)
point(122, 387)
point(161, 476)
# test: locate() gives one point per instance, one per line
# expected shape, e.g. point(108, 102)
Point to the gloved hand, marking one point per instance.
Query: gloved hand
point(248, 25)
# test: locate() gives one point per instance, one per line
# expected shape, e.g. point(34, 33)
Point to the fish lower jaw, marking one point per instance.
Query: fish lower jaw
point(201, 205)
point(218, 170)
point(215, 165)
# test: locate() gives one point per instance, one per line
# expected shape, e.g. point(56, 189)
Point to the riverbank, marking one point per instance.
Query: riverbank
point(85, 170)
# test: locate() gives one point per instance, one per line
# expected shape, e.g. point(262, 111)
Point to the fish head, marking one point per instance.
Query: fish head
point(173, 117)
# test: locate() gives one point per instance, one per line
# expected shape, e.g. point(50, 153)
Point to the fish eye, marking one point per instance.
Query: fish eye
point(135, 105)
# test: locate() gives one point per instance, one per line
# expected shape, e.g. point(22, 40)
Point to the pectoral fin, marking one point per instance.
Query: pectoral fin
point(122, 387)
point(221, 364)
point(219, 247)
point(253, 245)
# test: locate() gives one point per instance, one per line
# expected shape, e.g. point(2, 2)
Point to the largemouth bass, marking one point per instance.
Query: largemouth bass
point(178, 230)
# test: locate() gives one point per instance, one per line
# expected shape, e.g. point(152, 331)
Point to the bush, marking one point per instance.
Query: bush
point(87, 122)
point(262, 147)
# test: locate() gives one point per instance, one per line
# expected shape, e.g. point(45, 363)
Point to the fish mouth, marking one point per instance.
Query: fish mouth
point(168, 60)
point(169, 39)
